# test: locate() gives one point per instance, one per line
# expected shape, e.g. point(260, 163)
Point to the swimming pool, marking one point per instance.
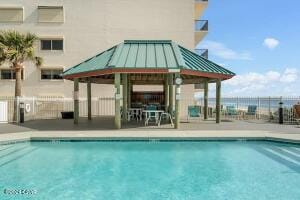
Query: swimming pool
point(150, 170)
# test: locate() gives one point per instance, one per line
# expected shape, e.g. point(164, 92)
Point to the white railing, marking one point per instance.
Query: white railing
point(237, 108)
point(254, 108)
point(51, 107)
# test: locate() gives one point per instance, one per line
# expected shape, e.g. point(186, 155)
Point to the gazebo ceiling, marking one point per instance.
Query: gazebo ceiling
point(147, 60)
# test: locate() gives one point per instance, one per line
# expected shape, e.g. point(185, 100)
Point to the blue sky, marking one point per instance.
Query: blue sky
point(259, 40)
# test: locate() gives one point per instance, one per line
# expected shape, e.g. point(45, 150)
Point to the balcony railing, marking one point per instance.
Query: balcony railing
point(201, 25)
point(202, 52)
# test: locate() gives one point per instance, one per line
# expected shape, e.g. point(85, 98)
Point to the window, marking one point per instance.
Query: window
point(52, 44)
point(50, 14)
point(9, 74)
point(11, 14)
point(51, 74)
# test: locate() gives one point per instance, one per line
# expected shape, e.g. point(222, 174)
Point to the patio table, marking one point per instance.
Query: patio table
point(148, 115)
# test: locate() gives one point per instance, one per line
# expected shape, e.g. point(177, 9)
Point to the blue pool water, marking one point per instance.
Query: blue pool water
point(150, 170)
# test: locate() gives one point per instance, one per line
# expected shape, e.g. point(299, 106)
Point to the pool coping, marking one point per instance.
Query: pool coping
point(153, 136)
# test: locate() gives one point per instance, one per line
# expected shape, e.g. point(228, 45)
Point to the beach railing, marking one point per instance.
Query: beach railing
point(232, 108)
point(254, 108)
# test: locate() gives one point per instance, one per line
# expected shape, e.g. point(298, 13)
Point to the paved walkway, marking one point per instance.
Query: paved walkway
point(102, 128)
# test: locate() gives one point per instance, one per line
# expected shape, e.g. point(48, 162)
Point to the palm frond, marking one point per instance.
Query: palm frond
point(19, 46)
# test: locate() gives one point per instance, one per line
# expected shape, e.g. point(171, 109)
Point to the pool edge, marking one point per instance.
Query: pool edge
point(150, 139)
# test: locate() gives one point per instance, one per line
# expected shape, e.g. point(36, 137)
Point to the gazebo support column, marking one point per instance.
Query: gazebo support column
point(177, 103)
point(89, 99)
point(125, 98)
point(117, 101)
point(76, 100)
point(206, 99)
point(171, 94)
point(218, 101)
point(166, 91)
point(129, 90)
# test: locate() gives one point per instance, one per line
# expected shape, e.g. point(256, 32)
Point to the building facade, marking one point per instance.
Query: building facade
point(71, 31)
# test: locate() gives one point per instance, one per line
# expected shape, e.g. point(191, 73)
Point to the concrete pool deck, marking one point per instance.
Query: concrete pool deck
point(102, 129)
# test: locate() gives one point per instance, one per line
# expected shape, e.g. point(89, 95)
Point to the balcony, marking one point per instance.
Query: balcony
point(201, 29)
point(202, 52)
point(200, 6)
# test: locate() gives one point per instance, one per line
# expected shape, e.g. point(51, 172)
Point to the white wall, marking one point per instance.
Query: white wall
point(93, 26)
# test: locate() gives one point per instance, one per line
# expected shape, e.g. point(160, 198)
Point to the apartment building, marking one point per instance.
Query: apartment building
point(71, 31)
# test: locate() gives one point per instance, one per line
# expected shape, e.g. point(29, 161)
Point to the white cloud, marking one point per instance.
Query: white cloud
point(271, 43)
point(264, 84)
point(290, 75)
point(222, 51)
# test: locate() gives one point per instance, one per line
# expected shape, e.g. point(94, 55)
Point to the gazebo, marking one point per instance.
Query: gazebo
point(147, 62)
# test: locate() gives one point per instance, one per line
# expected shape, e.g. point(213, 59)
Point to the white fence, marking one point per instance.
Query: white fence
point(51, 107)
point(266, 108)
point(263, 108)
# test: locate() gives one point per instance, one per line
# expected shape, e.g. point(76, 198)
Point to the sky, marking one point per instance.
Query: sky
point(259, 40)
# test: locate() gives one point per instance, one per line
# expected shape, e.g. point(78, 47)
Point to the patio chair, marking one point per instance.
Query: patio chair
point(231, 110)
point(151, 115)
point(193, 112)
point(251, 111)
point(130, 115)
point(165, 115)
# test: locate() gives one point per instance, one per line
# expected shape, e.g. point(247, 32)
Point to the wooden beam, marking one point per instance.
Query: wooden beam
point(76, 100)
point(218, 101)
point(101, 80)
point(117, 101)
point(89, 99)
point(148, 82)
point(194, 80)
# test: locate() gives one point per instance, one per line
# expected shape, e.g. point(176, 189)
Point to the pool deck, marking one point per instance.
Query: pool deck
point(102, 129)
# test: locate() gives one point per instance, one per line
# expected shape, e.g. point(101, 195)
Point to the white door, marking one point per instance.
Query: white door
point(3, 112)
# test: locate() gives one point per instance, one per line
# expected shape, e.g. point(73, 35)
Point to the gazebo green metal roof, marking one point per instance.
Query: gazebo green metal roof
point(148, 56)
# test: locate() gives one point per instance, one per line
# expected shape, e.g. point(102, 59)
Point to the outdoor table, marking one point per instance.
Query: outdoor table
point(135, 112)
point(148, 114)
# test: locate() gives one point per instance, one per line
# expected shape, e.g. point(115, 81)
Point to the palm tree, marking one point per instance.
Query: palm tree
point(15, 49)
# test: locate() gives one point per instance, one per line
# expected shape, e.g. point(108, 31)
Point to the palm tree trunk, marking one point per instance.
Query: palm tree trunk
point(18, 92)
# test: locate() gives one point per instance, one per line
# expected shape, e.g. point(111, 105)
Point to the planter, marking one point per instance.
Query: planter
point(67, 115)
